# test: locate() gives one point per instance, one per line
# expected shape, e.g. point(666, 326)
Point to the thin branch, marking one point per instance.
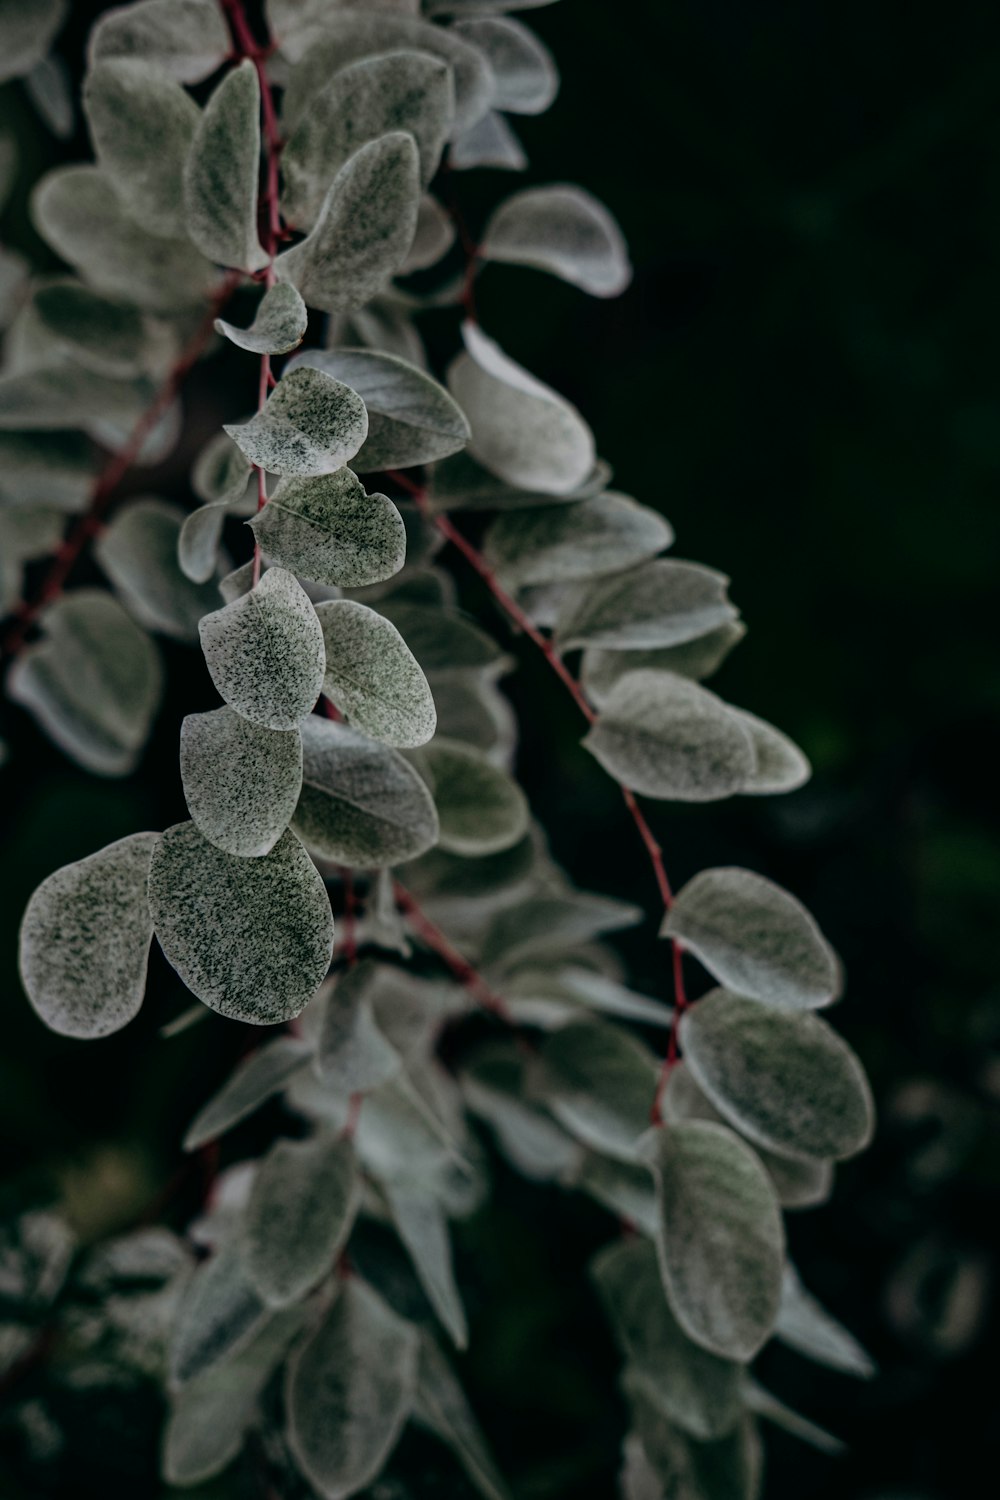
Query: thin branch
point(435, 939)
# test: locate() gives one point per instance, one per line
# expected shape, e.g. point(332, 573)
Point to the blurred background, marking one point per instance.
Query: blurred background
point(804, 378)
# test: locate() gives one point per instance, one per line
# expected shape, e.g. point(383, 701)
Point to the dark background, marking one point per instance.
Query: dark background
point(804, 378)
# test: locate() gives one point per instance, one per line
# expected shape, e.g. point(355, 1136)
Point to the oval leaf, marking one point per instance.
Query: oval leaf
point(220, 176)
point(564, 230)
point(302, 1205)
point(241, 781)
point(186, 38)
point(219, 1315)
point(311, 424)
point(372, 676)
point(527, 80)
point(279, 326)
point(253, 1081)
point(599, 1082)
point(781, 766)
point(697, 659)
point(139, 553)
point(663, 603)
point(330, 531)
point(564, 543)
point(481, 810)
point(352, 1054)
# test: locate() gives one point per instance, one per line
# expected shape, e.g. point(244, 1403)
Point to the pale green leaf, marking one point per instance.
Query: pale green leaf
point(411, 419)
point(142, 123)
point(548, 923)
point(599, 1082)
point(278, 327)
point(662, 603)
point(50, 90)
point(471, 708)
point(755, 939)
point(624, 1189)
point(255, 1079)
point(494, 1087)
point(434, 236)
point(241, 781)
point(551, 997)
point(84, 940)
point(400, 90)
point(784, 1079)
point(527, 79)
point(566, 543)
point(481, 809)
point(199, 539)
point(302, 1205)
point(138, 552)
point(265, 652)
point(330, 531)
point(400, 1139)
point(52, 468)
point(423, 1229)
point(372, 676)
point(352, 1055)
point(69, 395)
point(564, 230)
point(491, 142)
point(93, 682)
point(771, 1409)
point(100, 332)
point(311, 424)
point(666, 737)
point(222, 472)
point(601, 669)
point(781, 765)
point(364, 230)
point(27, 30)
point(188, 39)
point(442, 1408)
point(721, 1241)
point(221, 172)
point(219, 1315)
point(805, 1326)
point(350, 1390)
point(252, 938)
point(460, 483)
point(362, 804)
point(522, 431)
point(442, 640)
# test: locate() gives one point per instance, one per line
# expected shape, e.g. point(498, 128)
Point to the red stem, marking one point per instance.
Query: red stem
point(435, 939)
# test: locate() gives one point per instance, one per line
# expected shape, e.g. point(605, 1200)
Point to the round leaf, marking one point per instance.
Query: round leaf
point(481, 809)
point(302, 1204)
point(221, 172)
point(311, 424)
point(527, 80)
point(330, 531)
point(372, 676)
point(564, 230)
point(278, 327)
point(241, 781)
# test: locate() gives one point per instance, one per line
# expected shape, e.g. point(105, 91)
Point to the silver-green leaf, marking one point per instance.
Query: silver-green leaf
point(372, 676)
point(527, 79)
point(481, 809)
point(219, 1315)
point(139, 553)
point(241, 781)
point(311, 424)
point(330, 531)
point(254, 1080)
point(566, 543)
point(599, 1082)
point(564, 230)
point(423, 1229)
point(221, 172)
point(279, 324)
point(352, 1055)
point(302, 1205)
point(662, 603)
point(188, 39)
point(442, 1408)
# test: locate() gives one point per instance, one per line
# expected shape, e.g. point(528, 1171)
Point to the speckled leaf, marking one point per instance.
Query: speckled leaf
point(599, 1081)
point(411, 419)
point(278, 327)
point(404, 90)
point(441, 1406)
point(781, 766)
point(27, 30)
point(442, 640)
point(423, 1229)
point(697, 659)
point(481, 809)
point(100, 332)
point(350, 1390)
point(365, 227)
point(76, 210)
point(255, 1079)
point(755, 939)
point(527, 79)
point(138, 552)
point(721, 1242)
point(302, 1205)
point(564, 230)
point(252, 938)
point(84, 941)
point(566, 543)
point(694, 1388)
point(784, 1079)
point(142, 123)
point(222, 472)
point(220, 176)
point(312, 424)
point(93, 682)
point(362, 804)
point(219, 1315)
point(547, 923)
point(662, 603)
point(805, 1326)
point(330, 531)
point(491, 142)
point(666, 737)
point(372, 677)
point(241, 781)
point(351, 1053)
point(188, 39)
point(265, 652)
point(522, 430)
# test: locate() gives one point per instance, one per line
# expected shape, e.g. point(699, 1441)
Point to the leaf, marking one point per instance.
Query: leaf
point(442, 1408)
point(661, 603)
point(784, 1078)
point(551, 997)
point(694, 1388)
point(352, 1055)
point(311, 424)
point(255, 1080)
point(442, 640)
point(664, 736)
point(241, 781)
point(494, 1088)
point(142, 124)
point(265, 652)
point(491, 142)
point(252, 938)
point(527, 79)
point(564, 230)
point(755, 939)
point(726, 1468)
point(219, 1315)
point(303, 1202)
point(480, 808)
point(362, 804)
point(350, 1390)
point(372, 676)
point(49, 89)
point(624, 1189)
point(278, 327)
point(400, 1139)
point(329, 530)
point(546, 923)
point(411, 419)
point(399, 91)
point(600, 670)
point(522, 431)
point(720, 1241)
point(220, 176)
point(599, 1081)
point(138, 552)
point(564, 543)
point(199, 539)
point(84, 940)
point(68, 395)
point(222, 472)
point(364, 230)
point(433, 238)
point(100, 332)
point(27, 30)
point(423, 1229)
point(93, 683)
point(781, 766)
point(772, 1410)
point(186, 38)
point(77, 212)
point(805, 1326)
point(51, 468)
